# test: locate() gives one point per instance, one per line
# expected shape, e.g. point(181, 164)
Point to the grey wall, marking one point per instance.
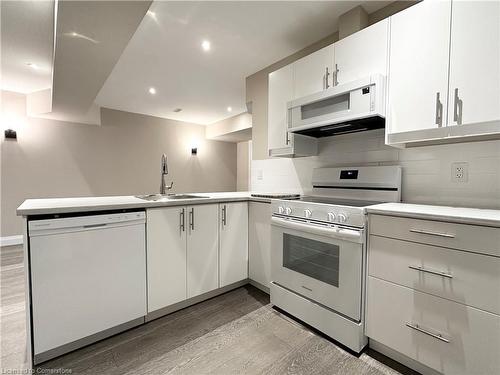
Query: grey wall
point(121, 157)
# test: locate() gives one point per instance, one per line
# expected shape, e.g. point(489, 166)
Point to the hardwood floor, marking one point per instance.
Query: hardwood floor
point(235, 333)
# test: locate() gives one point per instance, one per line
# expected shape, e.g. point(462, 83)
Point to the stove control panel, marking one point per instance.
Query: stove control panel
point(351, 216)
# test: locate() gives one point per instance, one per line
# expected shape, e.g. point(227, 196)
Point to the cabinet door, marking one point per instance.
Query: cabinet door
point(418, 67)
point(280, 92)
point(259, 243)
point(233, 251)
point(474, 62)
point(202, 249)
point(311, 72)
point(166, 256)
point(363, 53)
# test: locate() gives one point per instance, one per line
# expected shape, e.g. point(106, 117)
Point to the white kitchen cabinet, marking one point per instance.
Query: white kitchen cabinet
point(418, 77)
point(474, 90)
point(259, 243)
point(313, 73)
point(202, 249)
point(362, 54)
point(426, 310)
point(166, 256)
point(279, 141)
point(233, 250)
point(280, 92)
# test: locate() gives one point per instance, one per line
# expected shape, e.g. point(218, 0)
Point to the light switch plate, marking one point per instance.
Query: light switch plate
point(460, 172)
point(260, 174)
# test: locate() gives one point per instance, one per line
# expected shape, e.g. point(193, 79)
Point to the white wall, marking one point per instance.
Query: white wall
point(426, 170)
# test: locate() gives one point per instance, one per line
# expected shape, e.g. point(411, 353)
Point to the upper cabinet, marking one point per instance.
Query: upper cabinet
point(361, 54)
point(357, 56)
point(313, 73)
point(474, 89)
point(418, 78)
point(280, 92)
point(279, 141)
point(439, 90)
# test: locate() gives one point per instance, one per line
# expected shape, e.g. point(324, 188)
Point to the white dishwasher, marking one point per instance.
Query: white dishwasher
point(88, 279)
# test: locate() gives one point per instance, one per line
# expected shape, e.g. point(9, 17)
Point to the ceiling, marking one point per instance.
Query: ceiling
point(165, 52)
point(27, 29)
point(245, 36)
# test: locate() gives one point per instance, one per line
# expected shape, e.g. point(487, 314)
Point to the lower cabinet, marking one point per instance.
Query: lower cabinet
point(433, 294)
point(233, 251)
point(259, 243)
point(166, 256)
point(202, 249)
point(192, 250)
point(446, 336)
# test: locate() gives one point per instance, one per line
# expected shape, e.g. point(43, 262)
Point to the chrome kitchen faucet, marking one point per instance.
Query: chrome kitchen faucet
point(164, 171)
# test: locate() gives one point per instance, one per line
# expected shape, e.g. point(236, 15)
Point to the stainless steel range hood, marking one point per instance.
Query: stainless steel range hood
point(352, 107)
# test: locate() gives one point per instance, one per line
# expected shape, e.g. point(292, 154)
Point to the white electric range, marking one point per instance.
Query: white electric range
point(318, 249)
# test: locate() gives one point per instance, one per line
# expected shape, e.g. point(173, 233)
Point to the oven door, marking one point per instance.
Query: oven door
point(319, 262)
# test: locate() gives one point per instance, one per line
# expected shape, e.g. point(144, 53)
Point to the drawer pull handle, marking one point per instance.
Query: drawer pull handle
point(439, 273)
point(420, 231)
point(424, 331)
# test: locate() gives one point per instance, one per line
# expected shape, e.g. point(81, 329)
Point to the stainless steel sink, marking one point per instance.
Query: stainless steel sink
point(166, 197)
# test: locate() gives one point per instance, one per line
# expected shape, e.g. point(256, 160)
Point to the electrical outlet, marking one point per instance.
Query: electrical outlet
point(459, 172)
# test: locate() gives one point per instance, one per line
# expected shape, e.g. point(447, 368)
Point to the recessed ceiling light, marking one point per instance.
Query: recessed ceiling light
point(229, 109)
point(33, 66)
point(177, 109)
point(151, 13)
point(205, 45)
point(152, 90)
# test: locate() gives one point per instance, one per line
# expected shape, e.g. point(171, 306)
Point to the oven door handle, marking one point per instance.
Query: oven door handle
point(352, 235)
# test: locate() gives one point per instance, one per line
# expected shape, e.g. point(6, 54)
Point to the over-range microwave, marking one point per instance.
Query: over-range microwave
point(351, 107)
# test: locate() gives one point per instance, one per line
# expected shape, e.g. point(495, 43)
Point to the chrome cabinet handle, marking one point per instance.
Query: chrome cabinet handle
point(416, 327)
point(421, 231)
point(191, 218)
point(457, 108)
point(426, 270)
point(336, 75)
point(182, 224)
point(224, 215)
point(439, 110)
point(327, 74)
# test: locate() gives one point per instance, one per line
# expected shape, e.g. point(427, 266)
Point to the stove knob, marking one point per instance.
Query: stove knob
point(288, 211)
point(331, 216)
point(307, 213)
point(281, 210)
point(342, 218)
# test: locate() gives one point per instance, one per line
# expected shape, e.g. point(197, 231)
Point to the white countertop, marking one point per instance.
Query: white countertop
point(477, 216)
point(85, 204)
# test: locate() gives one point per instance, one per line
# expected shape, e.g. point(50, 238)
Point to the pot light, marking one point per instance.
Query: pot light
point(229, 109)
point(205, 45)
point(32, 66)
point(152, 90)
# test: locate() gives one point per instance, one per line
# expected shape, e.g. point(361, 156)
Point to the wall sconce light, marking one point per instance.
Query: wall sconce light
point(194, 150)
point(10, 134)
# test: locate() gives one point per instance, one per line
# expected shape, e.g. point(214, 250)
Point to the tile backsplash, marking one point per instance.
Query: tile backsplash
point(427, 171)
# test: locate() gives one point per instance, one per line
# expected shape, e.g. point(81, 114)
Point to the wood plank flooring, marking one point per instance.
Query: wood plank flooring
point(235, 333)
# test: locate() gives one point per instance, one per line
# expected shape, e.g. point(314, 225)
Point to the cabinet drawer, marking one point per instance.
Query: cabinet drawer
point(469, 341)
point(473, 238)
point(471, 279)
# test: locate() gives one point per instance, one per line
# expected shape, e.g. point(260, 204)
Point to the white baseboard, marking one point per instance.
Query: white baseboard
point(11, 240)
